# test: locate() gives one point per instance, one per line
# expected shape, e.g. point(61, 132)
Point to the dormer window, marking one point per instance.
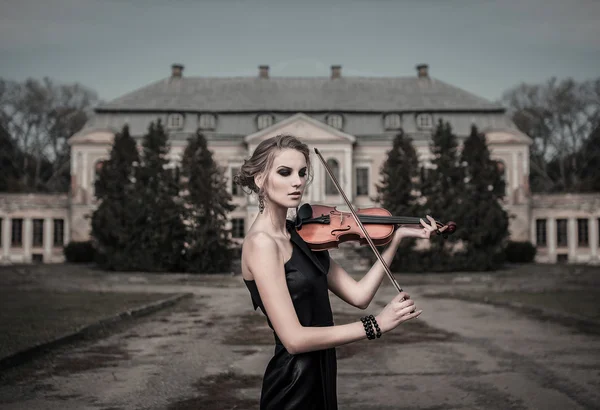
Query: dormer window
point(335, 120)
point(207, 122)
point(264, 121)
point(175, 121)
point(424, 121)
point(391, 121)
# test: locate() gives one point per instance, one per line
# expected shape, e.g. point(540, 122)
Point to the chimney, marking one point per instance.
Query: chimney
point(423, 71)
point(336, 71)
point(263, 71)
point(177, 70)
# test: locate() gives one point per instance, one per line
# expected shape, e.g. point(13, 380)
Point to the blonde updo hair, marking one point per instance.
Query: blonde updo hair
point(262, 159)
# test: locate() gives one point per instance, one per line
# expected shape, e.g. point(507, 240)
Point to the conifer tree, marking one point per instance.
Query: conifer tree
point(157, 225)
point(443, 187)
point(114, 190)
point(397, 191)
point(483, 216)
point(399, 174)
point(207, 203)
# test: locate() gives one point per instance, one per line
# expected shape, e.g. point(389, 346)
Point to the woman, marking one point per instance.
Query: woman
point(290, 283)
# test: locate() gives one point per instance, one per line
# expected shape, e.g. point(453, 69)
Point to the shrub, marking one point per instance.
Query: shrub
point(80, 252)
point(520, 252)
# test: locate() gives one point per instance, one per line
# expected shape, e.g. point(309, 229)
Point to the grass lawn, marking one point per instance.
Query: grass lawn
point(31, 317)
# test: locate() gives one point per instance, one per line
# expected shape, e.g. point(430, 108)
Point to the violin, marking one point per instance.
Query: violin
point(343, 232)
point(324, 227)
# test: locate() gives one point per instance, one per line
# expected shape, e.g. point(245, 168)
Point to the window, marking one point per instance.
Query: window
point(540, 232)
point(391, 121)
point(561, 232)
point(236, 190)
point(501, 169)
point(582, 233)
point(263, 121)
point(37, 258)
point(362, 181)
point(424, 121)
point(562, 258)
point(237, 228)
point(335, 121)
point(38, 232)
point(59, 232)
point(98, 191)
point(207, 122)
point(330, 188)
point(17, 232)
point(175, 121)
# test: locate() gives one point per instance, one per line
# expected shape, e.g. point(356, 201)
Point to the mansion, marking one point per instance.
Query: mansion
point(351, 120)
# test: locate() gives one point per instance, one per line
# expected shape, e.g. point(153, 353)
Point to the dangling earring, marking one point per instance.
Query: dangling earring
point(261, 204)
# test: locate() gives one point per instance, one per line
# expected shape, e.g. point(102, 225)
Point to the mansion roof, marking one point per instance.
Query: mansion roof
point(344, 94)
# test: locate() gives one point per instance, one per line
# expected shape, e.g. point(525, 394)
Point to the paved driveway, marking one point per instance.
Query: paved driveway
point(210, 351)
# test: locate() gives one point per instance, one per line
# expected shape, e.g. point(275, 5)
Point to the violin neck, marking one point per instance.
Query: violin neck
point(400, 220)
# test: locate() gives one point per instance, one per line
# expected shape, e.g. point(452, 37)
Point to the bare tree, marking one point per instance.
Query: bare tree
point(39, 117)
point(559, 116)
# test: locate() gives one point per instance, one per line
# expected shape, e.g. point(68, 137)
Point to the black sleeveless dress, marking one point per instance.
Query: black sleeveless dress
point(305, 380)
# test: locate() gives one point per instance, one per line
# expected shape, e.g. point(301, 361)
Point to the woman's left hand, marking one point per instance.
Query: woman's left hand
point(413, 232)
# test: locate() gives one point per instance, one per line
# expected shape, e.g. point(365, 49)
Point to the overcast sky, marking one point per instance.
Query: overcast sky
point(116, 46)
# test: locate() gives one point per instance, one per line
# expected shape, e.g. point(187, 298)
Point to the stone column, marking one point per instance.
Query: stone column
point(593, 224)
point(27, 239)
point(551, 239)
point(318, 190)
point(48, 239)
point(6, 226)
point(514, 183)
point(84, 178)
point(348, 168)
point(66, 232)
point(572, 239)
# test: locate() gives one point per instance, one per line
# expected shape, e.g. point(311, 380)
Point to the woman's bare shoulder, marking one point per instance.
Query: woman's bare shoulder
point(258, 246)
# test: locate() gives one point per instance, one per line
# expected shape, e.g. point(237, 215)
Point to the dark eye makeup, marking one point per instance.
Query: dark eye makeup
point(285, 171)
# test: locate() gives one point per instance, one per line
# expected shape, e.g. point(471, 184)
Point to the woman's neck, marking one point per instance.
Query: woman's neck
point(274, 220)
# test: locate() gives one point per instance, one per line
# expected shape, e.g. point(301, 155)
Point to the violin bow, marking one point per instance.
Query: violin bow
point(359, 223)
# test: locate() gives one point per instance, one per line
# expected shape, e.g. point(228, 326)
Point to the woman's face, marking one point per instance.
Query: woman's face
point(287, 178)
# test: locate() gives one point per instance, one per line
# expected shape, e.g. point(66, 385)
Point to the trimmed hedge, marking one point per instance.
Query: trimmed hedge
point(520, 252)
point(80, 252)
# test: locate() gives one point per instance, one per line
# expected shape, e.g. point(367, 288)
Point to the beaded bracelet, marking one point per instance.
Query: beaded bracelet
point(376, 325)
point(368, 328)
point(368, 323)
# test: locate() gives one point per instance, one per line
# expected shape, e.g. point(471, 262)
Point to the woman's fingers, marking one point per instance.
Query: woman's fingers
point(413, 315)
point(408, 313)
point(406, 303)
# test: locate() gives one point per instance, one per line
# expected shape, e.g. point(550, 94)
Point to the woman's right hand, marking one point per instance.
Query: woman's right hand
point(396, 312)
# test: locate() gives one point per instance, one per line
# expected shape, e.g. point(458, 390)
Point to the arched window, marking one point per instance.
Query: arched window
point(330, 188)
point(97, 170)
